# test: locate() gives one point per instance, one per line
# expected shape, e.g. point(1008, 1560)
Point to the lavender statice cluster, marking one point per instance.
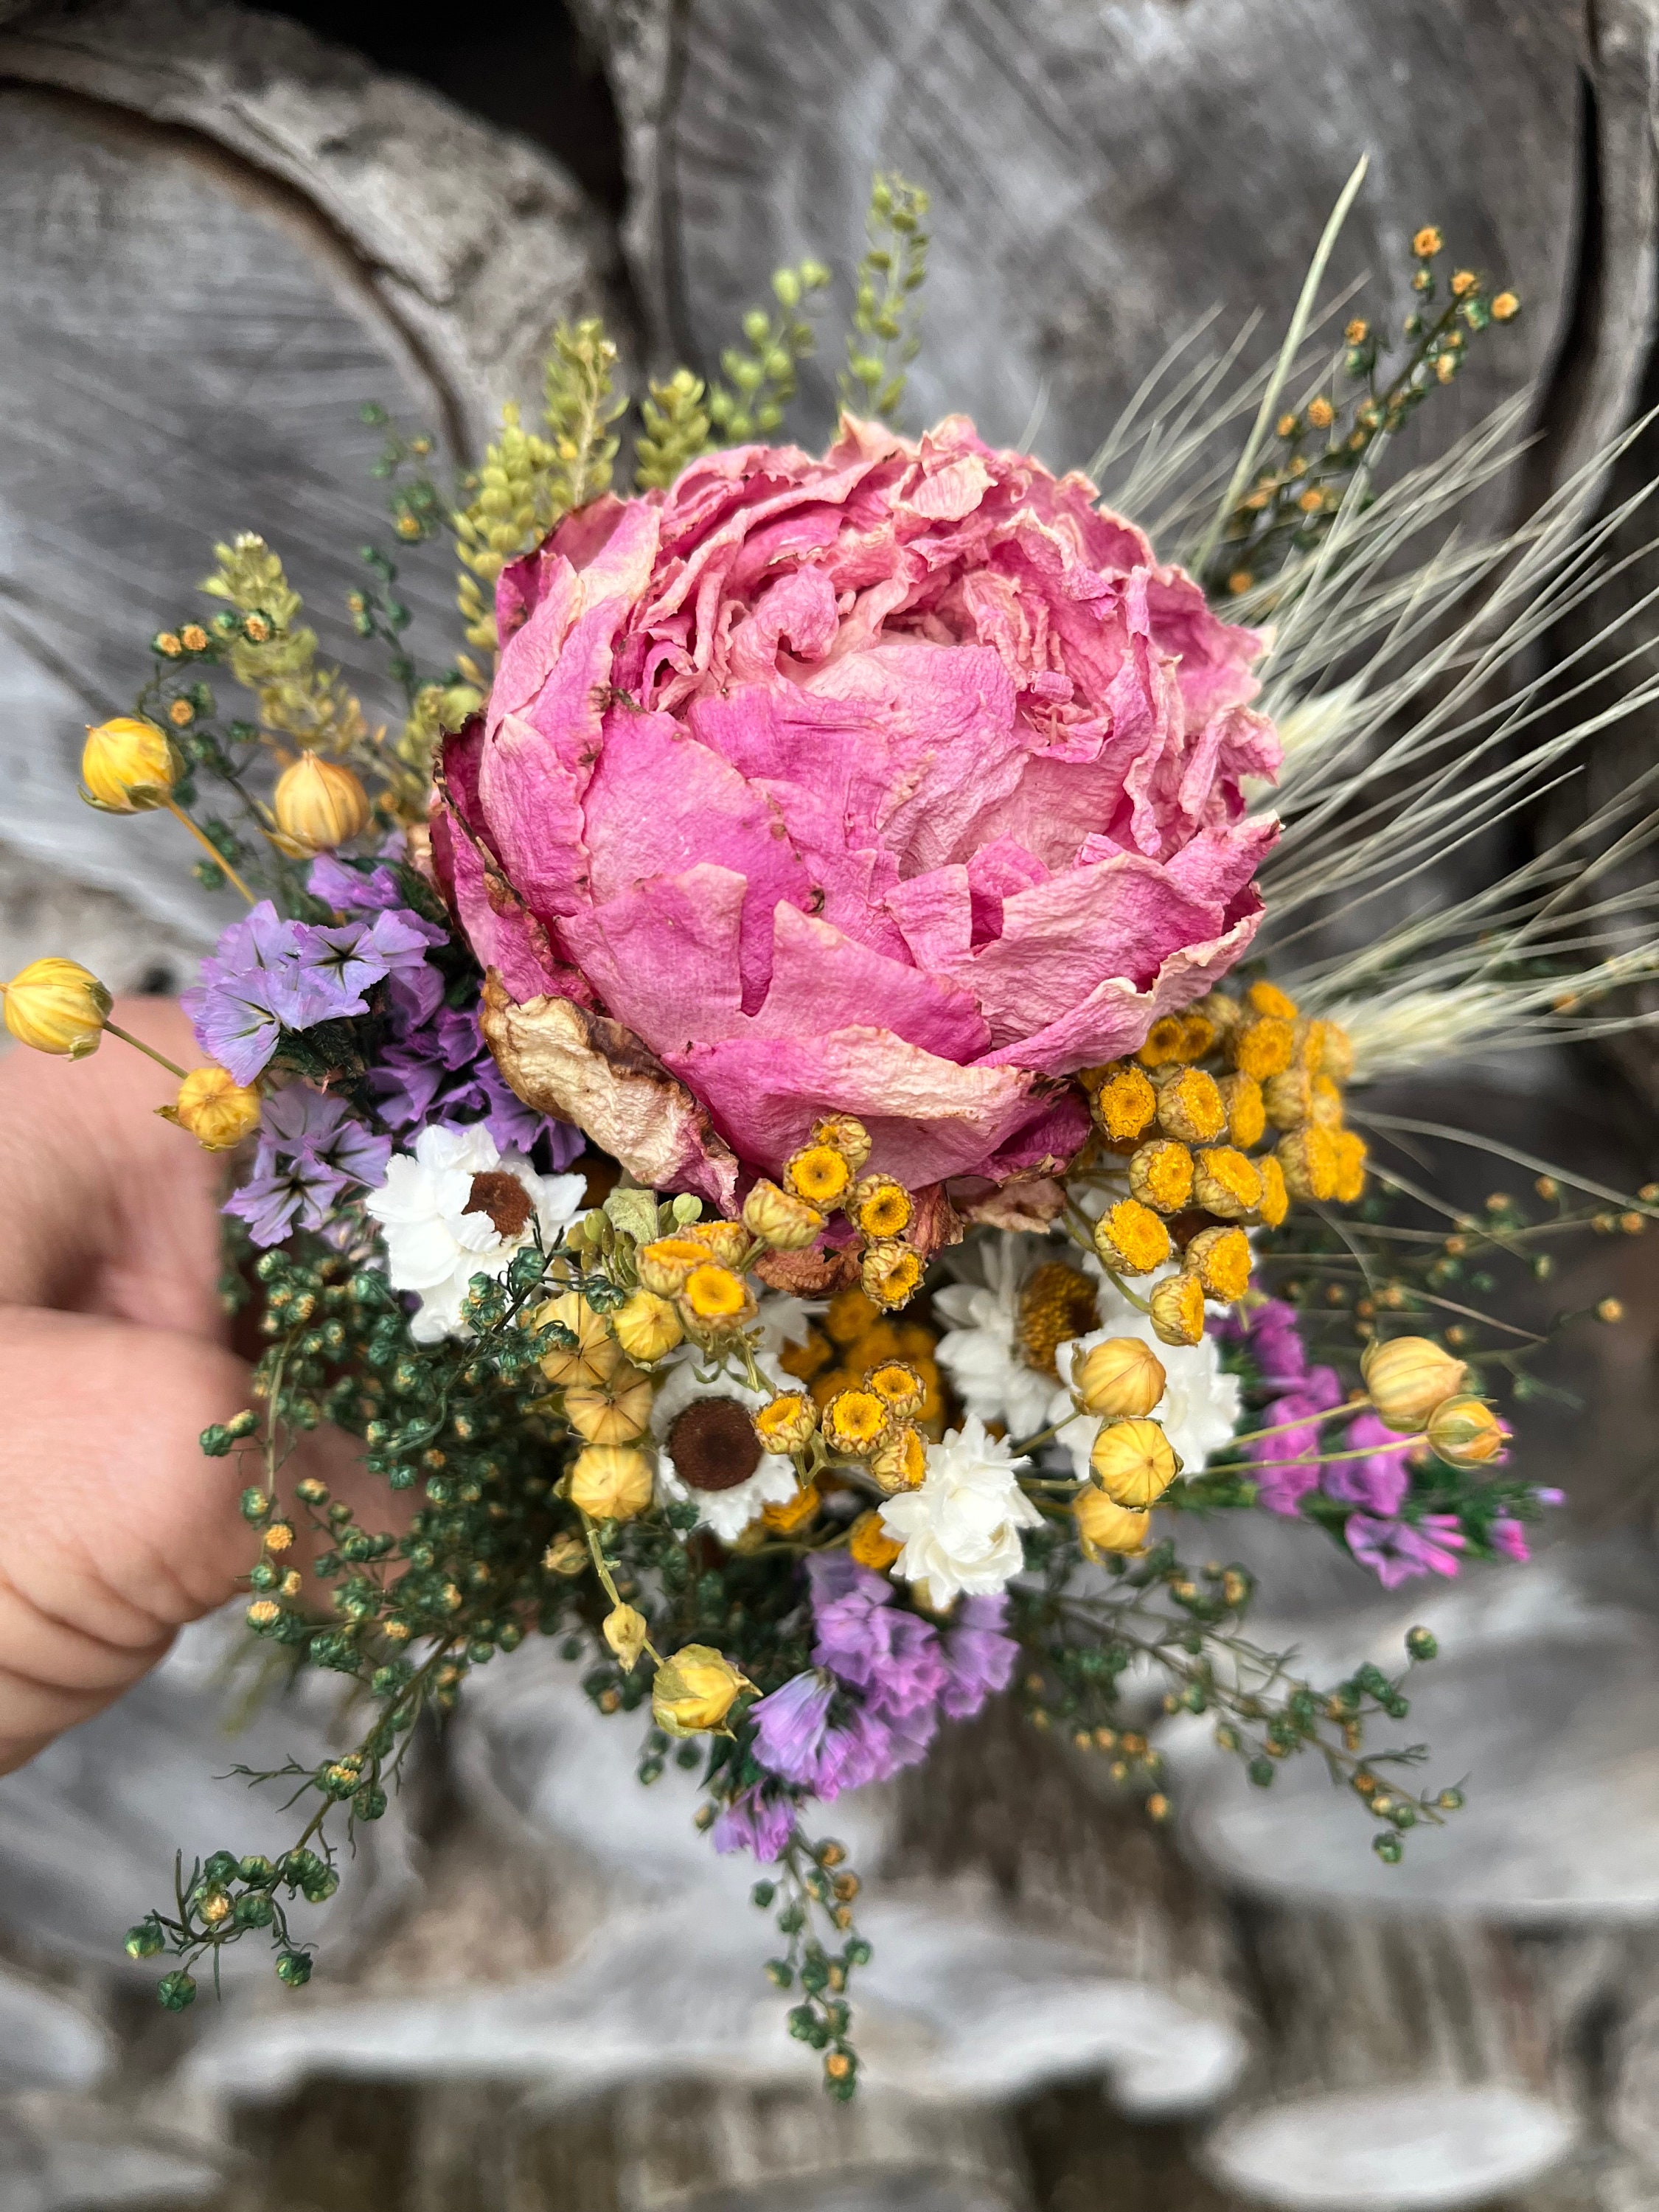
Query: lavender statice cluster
point(1298, 1460)
point(883, 1680)
point(269, 975)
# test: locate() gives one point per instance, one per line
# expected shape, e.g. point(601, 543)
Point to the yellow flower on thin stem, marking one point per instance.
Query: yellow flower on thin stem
point(58, 1006)
point(317, 803)
point(128, 766)
point(214, 1109)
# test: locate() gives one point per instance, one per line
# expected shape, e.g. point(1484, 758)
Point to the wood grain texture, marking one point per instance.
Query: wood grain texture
point(218, 237)
point(1102, 176)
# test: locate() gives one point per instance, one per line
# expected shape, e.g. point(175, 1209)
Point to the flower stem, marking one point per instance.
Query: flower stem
point(602, 1569)
point(149, 1051)
point(208, 847)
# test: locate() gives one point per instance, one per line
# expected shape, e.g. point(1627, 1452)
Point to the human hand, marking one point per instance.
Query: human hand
point(115, 1530)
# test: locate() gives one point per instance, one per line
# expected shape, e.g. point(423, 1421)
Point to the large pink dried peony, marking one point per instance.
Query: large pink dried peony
point(901, 783)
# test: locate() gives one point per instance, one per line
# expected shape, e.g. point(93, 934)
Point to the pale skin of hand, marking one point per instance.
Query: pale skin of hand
point(115, 1528)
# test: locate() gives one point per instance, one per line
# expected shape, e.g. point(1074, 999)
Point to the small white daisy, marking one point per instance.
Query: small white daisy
point(457, 1207)
point(960, 1529)
point(981, 1354)
point(707, 1453)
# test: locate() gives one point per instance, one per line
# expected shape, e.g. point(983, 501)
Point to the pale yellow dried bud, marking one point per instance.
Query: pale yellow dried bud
point(625, 1632)
point(610, 1482)
point(890, 1274)
point(319, 804)
point(849, 1138)
point(596, 1354)
point(785, 1424)
point(695, 1691)
point(1407, 1377)
point(566, 1554)
point(1134, 1462)
point(1123, 1378)
point(780, 1220)
point(614, 1412)
point(1177, 1305)
point(1105, 1528)
point(1466, 1432)
point(128, 765)
point(58, 1006)
point(646, 1327)
point(214, 1109)
point(901, 1462)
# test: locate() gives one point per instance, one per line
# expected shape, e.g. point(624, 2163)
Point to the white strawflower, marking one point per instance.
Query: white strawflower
point(708, 1452)
point(457, 1207)
point(960, 1530)
point(980, 1354)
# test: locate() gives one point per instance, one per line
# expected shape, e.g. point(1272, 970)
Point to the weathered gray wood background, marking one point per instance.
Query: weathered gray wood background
point(219, 233)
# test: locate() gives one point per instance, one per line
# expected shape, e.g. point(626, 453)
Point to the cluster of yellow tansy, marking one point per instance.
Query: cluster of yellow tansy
point(1187, 1141)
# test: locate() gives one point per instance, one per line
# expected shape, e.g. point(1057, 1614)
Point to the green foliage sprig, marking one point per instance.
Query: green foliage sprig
point(886, 331)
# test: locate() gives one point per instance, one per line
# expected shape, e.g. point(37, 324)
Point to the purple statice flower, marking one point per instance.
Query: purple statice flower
point(267, 974)
point(349, 890)
point(439, 1068)
point(1271, 1335)
point(1395, 1551)
point(256, 983)
point(880, 1647)
point(311, 1149)
point(1378, 1484)
point(1510, 1537)
point(978, 1660)
point(792, 1730)
point(755, 1822)
point(1288, 1465)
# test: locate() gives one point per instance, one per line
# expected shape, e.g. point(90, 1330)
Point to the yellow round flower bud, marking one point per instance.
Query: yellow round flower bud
point(890, 1272)
point(566, 1554)
point(901, 1462)
point(1105, 1528)
point(695, 1691)
point(818, 1173)
point(728, 1241)
point(1266, 998)
point(715, 1297)
point(1275, 1202)
point(1190, 1107)
point(1123, 1378)
point(847, 1135)
point(129, 765)
point(780, 1220)
point(1130, 1237)
point(665, 1266)
point(1161, 1175)
point(1406, 1378)
point(1351, 1152)
point(596, 1352)
point(855, 1423)
point(1247, 1113)
point(1261, 1046)
point(870, 1545)
point(1134, 1462)
point(881, 1207)
point(319, 804)
point(614, 1412)
point(1309, 1158)
point(1288, 1097)
point(646, 1327)
point(58, 1006)
point(899, 1386)
point(1164, 1042)
point(786, 1423)
point(1466, 1432)
point(214, 1109)
point(625, 1632)
point(1220, 1258)
point(1226, 1183)
point(1124, 1107)
point(1177, 1304)
point(610, 1482)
